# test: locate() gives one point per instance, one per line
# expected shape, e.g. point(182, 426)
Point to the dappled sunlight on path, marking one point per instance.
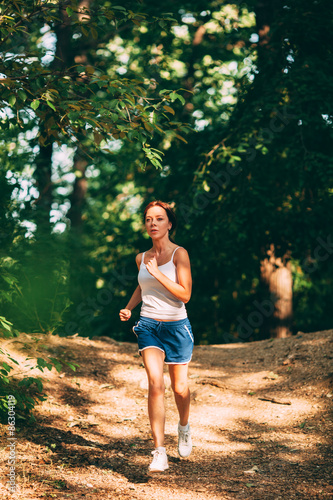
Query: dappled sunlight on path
point(92, 437)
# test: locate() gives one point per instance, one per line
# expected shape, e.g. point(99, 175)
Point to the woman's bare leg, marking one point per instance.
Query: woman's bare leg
point(153, 360)
point(179, 384)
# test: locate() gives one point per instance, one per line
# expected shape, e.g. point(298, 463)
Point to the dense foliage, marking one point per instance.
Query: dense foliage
point(240, 143)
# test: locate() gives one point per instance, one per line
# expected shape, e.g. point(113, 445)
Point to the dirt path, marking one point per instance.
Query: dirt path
point(92, 437)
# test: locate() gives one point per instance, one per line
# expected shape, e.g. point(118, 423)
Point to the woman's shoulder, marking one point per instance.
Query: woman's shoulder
point(181, 253)
point(139, 255)
point(138, 258)
point(179, 249)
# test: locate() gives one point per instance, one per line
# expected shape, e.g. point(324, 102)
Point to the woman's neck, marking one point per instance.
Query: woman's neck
point(161, 246)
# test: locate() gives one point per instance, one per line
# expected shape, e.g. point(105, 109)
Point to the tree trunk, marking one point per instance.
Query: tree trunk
point(78, 194)
point(79, 273)
point(275, 271)
point(78, 269)
point(266, 12)
point(42, 175)
point(277, 278)
point(43, 171)
point(80, 162)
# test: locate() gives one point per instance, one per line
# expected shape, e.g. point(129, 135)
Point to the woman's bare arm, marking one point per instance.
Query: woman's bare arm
point(136, 298)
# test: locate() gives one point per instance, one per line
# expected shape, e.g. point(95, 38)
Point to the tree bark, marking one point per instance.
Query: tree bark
point(80, 162)
point(43, 171)
point(42, 175)
point(78, 194)
point(277, 278)
point(275, 271)
point(79, 273)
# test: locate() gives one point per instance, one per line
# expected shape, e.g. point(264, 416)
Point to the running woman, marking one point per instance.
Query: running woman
point(163, 331)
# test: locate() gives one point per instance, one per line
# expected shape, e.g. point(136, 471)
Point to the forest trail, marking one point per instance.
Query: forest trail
point(92, 438)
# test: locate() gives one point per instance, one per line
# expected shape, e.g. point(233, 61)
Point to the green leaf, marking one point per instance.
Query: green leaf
point(156, 163)
point(69, 11)
point(113, 103)
point(12, 100)
point(175, 96)
point(22, 95)
point(71, 366)
point(7, 327)
point(157, 156)
point(35, 104)
point(57, 364)
point(4, 320)
point(39, 384)
point(8, 280)
point(14, 360)
point(51, 105)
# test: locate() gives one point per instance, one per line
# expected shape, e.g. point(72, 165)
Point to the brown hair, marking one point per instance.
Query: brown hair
point(170, 213)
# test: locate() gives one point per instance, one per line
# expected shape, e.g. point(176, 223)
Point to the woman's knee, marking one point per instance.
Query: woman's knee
point(180, 388)
point(156, 386)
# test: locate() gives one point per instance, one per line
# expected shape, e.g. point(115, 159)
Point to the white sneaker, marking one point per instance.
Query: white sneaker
point(160, 460)
point(184, 442)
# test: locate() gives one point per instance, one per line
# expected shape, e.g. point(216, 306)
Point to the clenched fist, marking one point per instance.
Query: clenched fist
point(125, 314)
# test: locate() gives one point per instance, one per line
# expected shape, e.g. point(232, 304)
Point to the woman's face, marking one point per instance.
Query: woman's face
point(157, 222)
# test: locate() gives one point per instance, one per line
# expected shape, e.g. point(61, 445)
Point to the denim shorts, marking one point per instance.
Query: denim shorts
point(174, 338)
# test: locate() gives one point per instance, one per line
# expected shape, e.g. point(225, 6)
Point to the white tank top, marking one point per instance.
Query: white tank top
point(157, 301)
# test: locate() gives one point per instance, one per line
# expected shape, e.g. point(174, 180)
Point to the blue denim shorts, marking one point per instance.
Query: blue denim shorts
point(174, 338)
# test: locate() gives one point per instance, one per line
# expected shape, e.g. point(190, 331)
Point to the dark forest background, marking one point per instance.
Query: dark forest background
point(222, 109)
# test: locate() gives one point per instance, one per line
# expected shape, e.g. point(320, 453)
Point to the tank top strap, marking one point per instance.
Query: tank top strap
point(142, 258)
point(174, 253)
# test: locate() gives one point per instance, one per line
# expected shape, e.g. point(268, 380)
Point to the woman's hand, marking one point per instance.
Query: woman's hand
point(152, 266)
point(125, 314)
